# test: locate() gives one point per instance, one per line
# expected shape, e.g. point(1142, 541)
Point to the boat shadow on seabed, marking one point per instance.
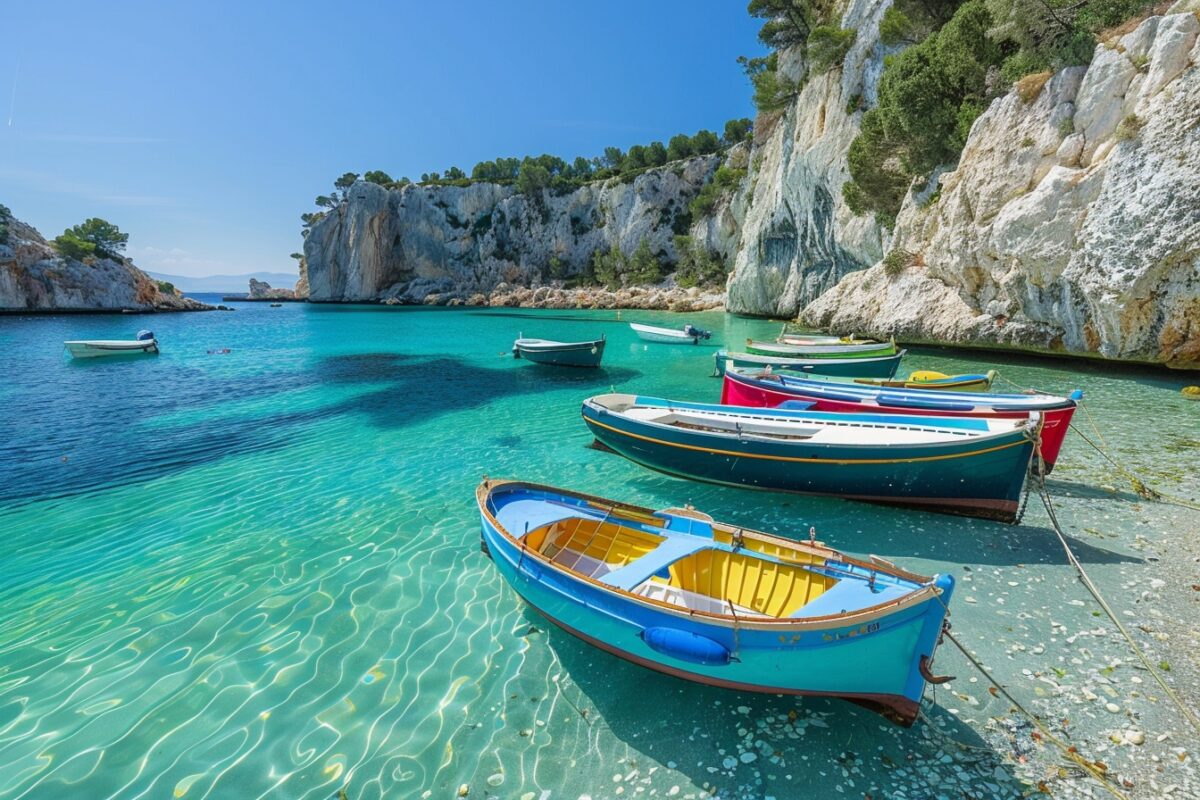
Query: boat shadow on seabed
point(738, 742)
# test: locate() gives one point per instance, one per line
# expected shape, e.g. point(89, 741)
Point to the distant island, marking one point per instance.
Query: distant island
point(222, 284)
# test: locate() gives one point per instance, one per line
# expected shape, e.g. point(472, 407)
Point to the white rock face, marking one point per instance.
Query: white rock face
point(799, 238)
point(33, 278)
point(1071, 223)
point(416, 241)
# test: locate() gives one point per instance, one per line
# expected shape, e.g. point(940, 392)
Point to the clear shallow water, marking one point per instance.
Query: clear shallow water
point(257, 575)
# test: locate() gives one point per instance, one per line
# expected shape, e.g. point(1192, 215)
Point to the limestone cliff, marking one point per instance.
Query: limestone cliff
point(798, 237)
point(34, 278)
point(453, 242)
point(1070, 224)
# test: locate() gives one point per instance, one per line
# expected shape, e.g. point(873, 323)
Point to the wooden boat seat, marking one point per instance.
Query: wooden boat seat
point(849, 595)
point(658, 559)
point(666, 593)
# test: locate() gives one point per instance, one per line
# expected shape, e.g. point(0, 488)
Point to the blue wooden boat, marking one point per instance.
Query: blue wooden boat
point(676, 592)
point(560, 354)
point(964, 465)
point(875, 367)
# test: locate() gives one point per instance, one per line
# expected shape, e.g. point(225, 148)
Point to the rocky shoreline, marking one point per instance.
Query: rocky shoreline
point(646, 298)
point(34, 279)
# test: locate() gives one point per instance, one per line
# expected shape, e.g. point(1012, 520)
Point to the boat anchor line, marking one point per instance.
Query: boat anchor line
point(1139, 486)
point(1187, 713)
point(1069, 752)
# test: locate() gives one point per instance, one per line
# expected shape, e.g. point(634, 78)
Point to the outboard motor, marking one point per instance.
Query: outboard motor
point(696, 333)
point(145, 336)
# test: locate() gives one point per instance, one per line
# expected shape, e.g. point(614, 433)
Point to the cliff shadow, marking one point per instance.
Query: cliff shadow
point(103, 450)
point(800, 744)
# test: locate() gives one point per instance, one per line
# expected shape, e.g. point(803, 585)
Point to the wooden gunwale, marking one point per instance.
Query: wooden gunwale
point(868, 614)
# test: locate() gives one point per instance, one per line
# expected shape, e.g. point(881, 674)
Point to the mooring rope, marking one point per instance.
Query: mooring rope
point(1095, 592)
point(1069, 752)
point(1139, 486)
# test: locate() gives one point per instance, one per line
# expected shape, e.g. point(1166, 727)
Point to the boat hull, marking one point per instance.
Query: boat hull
point(649, 333)
point(566, 354)
point(871, 350)
point(875, 663)
point(878, 367)
point(972, 478)
point(737, 390)
point(99, 349)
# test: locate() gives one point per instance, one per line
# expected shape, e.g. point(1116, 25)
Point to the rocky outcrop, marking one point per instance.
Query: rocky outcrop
point(261, 290)
point(1070, 224)
point(799, 238)
point(453, 242)
point(34, 278)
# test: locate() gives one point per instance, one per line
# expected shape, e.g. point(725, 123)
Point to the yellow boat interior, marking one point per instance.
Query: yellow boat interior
point(750, 577)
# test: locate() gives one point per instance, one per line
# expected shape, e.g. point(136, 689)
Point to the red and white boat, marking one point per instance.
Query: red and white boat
point(764, 389)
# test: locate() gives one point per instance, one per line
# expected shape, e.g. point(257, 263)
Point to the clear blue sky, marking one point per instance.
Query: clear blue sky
point(204, 129)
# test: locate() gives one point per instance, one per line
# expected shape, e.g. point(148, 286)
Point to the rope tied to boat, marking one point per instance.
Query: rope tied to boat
point(1139, 486)
point(1187, 712)
point(1070, 752)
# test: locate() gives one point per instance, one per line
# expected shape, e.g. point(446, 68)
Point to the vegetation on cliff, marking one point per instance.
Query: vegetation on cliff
point(5, 216)
point(962, 57)
point(807, 26)
point(94, 237)
point(533, 174)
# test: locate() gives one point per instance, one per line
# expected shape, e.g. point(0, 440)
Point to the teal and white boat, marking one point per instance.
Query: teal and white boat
point(560, 354)
point(873, 367)
point(821, 349)
point(717, 604)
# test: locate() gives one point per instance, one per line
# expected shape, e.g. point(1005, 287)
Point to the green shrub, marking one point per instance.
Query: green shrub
point(166, 287)
point(557, 268)
point(895, 261)
point(644, 266)
point(828, 45)
point(772, 91)
point(696, 265)
point(1129, 128)
point(1066, 127)
point(929, 95)
point(607, 268)
point(5, 216)
point(724, 181)
point(71, 245)
point(95, 236)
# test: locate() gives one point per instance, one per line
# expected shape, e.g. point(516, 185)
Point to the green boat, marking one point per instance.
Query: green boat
point(821, 350)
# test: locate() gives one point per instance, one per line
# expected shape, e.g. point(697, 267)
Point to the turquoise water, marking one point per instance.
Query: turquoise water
point(257, 574)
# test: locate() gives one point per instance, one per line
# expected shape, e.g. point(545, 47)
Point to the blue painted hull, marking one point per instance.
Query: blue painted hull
point(876, 663)
point(973, 477)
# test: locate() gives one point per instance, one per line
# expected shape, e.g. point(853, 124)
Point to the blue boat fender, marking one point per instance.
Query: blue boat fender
point(1077, 395)
point(686, 646)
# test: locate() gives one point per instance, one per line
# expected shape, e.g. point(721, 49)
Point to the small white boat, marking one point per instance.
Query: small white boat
point(145, 343)
point(685, 335)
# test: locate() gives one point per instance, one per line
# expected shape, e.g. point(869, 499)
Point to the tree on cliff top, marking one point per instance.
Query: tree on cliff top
point(93, 237)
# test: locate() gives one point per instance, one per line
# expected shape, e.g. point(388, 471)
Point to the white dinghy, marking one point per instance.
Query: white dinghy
point(145, 343)
point(685, 335)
